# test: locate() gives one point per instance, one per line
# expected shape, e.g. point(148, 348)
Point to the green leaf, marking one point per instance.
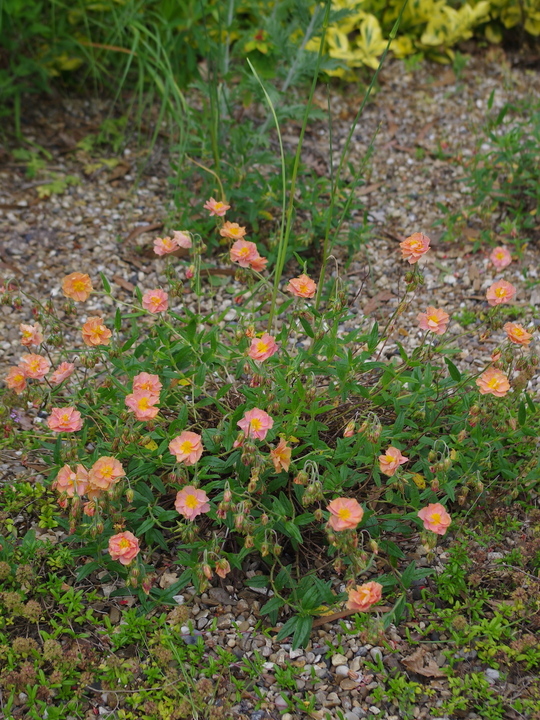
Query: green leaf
point(452, 369)
point(106, 284)
point(408, 575)
point(292, 531)
point(272, 606)
point(257, 581)
point(530, 403)
point(85, 570)
point(118, 320)
point(307, 327)
point(302, 632)
point(373, 337)
point(288, 629)
point(148, 524)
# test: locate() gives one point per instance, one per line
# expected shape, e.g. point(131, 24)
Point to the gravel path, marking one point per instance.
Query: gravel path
point(95, 226)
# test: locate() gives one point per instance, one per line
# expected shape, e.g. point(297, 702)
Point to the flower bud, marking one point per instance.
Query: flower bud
point(264, 519)
point(227, 494)
point(301, 478)
point(318, 514)
point(207, 570)
point(435, 485)
point(265, 549)
point(277, 549)
point(349, 429)
point(130, 494)
point(249, 541)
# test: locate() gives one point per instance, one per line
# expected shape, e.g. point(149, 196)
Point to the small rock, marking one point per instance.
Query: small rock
point(376, 653)
point(280, 703)
point(492, 675)
point(293, 654)
point(374, 709)
point(342, 671)
point(363, 651)
point(348, 684)
point(287, 716)
point(332, 700)
point(339, 660)
point(495, 555)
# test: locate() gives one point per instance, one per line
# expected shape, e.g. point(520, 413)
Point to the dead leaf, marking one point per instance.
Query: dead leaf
point(167, 579)
point(143, 229)
point(119, 172)
point(123, 283)
point(377, 300)
point(367, 189)
point(423, 663)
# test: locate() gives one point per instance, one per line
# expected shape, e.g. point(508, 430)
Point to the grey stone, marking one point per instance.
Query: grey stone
point(376, 653)
point(492, 675)
point(339, 659)
point(342, 671)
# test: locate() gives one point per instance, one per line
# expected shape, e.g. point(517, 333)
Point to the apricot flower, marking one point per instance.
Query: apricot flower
point(94, 332)
point(243, 252)
point(413, 247)
point(391, 460)
point(500, 257)
point(258, 263)
point(493, 382)
point(34, 366)
point(256, 424)
point(435, 518)
point(182, 239)
point(62, 372)
point(16, 380)
point(77, 286)
point(345, 514)
point(216, 207)
point(500, 292)
point(65, 420)
point(31, 334)
point(262, 348)
point(232, 230)
point(149, 383)
point(191, 501)
point(142, 403)
point(71, 482)
point(124, 547)
point(517, 334)
point(106, 471)
point(164, 246)
point(302, 286)
point(281, 456)
point(434, 319)
point(364, 596)
point(155, 301)
point(187, 447)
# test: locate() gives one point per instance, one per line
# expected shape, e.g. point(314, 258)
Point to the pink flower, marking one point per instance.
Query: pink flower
point(147, 382)
point(216, 207)
point(281, 456)
point(164, 246)
point(493, 382)
point(345, 514)
point(244, 252)
point(413, 247)
point(191, 501)
point(258, 263)
point(232, 231)
point(124, 547)
point(435, 518)
point(262, 348)
point(500, 257)
point(94, 332)
point(302, 286)
point(256, 423)
point(349, 429)
point(142, 403)
point(500, 292)
point(517, 334)
point(16, 380)
point(390, 462)
point(187, 447)
point(31, 334)
point(434, 320)
point(34, 366)
point(89, 508)
point(155, 301)
point(182, 239)
point(62, 372)
point(105, 472)
point(364, 596)
point(65, 420)
point(77, 286)
point(71, 482)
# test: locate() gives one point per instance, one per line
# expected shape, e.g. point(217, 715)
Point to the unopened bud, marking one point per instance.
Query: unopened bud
point(277, 549)
point(318, 514)
point(264, 519)
point(130, 495)
point(207, 570)
point(249, 541)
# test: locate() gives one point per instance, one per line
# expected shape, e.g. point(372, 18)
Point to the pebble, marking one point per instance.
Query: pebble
point(339, 660)
point(342, 671)
point(376, 653)
point(492, 675)
point(374, 709)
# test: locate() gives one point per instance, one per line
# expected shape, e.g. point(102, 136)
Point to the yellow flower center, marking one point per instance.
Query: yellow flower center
point(191, 501)
point(79, 285)
point(243, 252)
point(500, 292)
point(65, 417)
point(235, 231)
point(123, 544)
point(187, 447)
point(262, 347)
point(518, 331)
point(143, 403)
point(155, 299)
point(344, 513)
point(433, 319)
point(415, 244)
point(107, 471)
point(494, 383)
point(435, 517)
point(34, 365)
point(218, 206)
point(303, 287)
point(256, 423)
point(26, 333)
